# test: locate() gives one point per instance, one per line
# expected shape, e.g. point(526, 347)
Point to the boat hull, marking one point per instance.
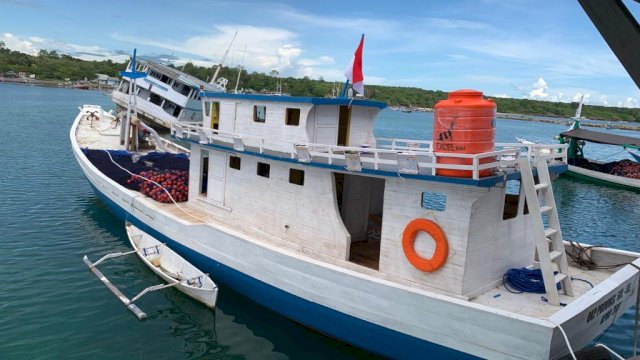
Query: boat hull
point(383, 317)
point(603, 178)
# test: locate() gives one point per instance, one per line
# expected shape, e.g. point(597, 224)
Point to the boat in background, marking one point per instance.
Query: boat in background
point(166, 95)
point(621, 173)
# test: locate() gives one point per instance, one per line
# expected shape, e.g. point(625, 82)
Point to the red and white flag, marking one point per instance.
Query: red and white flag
point(354, 70)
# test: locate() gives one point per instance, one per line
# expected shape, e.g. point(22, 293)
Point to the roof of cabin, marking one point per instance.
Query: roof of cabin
point(176, 74)
point(600, 137)
point(295, 99)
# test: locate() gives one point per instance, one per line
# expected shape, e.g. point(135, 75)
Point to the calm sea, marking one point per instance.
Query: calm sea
point(52, 307)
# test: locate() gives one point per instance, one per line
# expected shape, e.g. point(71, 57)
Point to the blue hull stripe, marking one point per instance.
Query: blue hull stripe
point(347, 328)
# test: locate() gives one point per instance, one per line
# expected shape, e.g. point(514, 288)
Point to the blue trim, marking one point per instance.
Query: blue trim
point(484, 182)
point(295, 99)
point(366, 335)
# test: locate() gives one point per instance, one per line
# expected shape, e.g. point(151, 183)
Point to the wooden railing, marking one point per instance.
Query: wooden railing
point(404, 156)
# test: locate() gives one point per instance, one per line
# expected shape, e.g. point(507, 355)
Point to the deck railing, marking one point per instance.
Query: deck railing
point(404, 156)
point(146, 107)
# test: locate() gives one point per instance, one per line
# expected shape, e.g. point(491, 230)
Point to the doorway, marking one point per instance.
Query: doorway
point(360, 202)
point(344, 117)
point(215, 115)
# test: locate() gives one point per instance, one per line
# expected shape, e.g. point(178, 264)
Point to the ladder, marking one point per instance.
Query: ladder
point(549, 243)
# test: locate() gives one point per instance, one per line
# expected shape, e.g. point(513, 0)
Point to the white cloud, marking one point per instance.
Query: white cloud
point(629, 102)
point(539, 90)
point(33, 44)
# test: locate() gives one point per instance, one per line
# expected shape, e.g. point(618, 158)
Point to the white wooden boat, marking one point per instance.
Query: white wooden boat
point(172, 268)
point(294, 203)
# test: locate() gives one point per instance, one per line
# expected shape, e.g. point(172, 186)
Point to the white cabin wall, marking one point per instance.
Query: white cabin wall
point(274, 126)
point(403, 203)
point(194, 172)
point(271, 204)
point(361, 126)
point(495, 245)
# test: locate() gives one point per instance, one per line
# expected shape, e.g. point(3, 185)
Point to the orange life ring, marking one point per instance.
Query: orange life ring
point(442, 247)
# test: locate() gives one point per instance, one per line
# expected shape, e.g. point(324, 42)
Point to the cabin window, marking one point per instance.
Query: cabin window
point(234, 162)
point(293, 117)
point(512, 200)
point(207, 109)
point(155, 99)
point(434, 201)
point(259, 113)
point(263, 169)
point(296, 176)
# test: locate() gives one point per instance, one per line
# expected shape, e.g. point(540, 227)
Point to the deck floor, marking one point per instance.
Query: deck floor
point(532, 304)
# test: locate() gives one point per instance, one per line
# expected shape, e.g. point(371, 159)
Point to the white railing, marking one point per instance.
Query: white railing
point(146, 107)
point(403, 156)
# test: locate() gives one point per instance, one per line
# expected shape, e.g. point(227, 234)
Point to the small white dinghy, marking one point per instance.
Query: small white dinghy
point(172, 268)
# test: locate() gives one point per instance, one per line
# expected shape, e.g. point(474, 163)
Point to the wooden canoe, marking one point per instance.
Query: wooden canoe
point(172, 268)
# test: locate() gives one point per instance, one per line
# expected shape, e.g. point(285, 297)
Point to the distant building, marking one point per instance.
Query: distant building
point(104, 79)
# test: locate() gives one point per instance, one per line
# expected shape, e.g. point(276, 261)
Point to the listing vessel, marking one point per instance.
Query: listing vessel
point(165, 95)
point(398, 246)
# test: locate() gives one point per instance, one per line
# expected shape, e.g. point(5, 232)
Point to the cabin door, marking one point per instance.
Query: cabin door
point(215, 115)
point(344, 118)
point(326, 125)
point(216, 181)
point(228, 121)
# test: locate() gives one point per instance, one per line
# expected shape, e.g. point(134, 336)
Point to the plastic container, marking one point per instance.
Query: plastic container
point(464, 124)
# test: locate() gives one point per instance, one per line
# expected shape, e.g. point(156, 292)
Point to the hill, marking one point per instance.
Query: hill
point(49, 65)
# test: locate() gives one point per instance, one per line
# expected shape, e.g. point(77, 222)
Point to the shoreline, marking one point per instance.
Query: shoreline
point(566, 121)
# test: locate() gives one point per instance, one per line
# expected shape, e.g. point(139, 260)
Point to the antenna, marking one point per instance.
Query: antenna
point(215, 75)
point(235, 91)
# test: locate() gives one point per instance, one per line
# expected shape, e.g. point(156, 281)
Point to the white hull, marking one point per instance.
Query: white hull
point(618, 180)
point(172, 268)
point(359, 307)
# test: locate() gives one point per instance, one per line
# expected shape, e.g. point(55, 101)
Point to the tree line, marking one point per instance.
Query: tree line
point(49, 65)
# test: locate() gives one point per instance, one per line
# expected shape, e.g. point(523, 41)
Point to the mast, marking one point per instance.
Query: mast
point(133, 74)
point(235, 91)
point(579, 109)
point(215, 75)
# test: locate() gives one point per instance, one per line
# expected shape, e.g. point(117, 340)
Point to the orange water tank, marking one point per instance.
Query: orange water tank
point(464, 124)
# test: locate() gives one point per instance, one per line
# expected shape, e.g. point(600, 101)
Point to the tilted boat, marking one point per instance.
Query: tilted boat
point(624, 173)
point(165, 95)
point(397, 246)
point(172, 268)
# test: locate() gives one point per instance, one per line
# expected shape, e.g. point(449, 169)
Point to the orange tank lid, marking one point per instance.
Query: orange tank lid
point(465, 98)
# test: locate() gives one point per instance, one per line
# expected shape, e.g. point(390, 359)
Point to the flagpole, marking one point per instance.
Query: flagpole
point(344, 89)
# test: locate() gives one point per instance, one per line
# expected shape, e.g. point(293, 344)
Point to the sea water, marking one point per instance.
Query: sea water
point(51, 306)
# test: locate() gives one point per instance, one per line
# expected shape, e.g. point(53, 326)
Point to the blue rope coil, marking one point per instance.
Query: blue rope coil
point(523, 280)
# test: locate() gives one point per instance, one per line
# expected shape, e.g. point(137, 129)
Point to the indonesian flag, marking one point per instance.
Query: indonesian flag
point(354, 70)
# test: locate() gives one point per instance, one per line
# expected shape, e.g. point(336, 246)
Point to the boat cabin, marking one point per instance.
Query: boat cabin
point(165, 95)
point(308, 175)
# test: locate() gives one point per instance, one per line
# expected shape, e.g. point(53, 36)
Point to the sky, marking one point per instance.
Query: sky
point(535, 49)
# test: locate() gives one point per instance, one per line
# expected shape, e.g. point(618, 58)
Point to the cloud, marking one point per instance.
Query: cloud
point(629, 102)
point(33, 44)
point(539, 90)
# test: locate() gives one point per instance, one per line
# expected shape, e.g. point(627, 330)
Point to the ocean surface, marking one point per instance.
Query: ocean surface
point(52, 307)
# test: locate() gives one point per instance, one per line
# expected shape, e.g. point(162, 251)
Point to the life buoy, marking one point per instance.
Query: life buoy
point(408, 241)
